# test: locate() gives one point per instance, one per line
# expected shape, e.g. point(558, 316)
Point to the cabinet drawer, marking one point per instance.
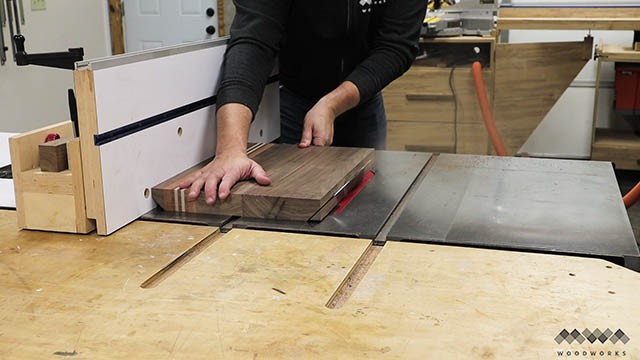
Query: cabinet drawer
point(419, 136)
point(425, 94)
point(437, 137)
point(405, 107)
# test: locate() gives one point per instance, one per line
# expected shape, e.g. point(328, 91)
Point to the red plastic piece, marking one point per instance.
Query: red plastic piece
point(51, 137)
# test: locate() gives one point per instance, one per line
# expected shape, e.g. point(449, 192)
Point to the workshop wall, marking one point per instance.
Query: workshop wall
point(34, 96)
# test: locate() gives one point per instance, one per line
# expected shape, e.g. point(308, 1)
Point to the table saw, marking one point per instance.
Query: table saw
point(437, 255)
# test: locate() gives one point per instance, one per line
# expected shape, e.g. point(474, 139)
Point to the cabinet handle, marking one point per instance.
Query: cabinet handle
point(427, 97)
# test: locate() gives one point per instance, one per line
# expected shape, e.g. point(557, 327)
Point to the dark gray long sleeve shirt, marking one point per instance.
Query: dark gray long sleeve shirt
point(320, 44)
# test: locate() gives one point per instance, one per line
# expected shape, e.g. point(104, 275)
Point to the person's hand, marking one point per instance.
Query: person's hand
point(221, 174)
point(318, 126)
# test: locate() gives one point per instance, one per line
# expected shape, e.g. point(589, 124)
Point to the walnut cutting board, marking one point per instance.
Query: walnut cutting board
point(306, 184)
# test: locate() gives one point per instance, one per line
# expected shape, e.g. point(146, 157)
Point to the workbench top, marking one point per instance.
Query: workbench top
point(257, 294)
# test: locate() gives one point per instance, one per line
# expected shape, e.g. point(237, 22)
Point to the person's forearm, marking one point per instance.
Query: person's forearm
point(341, 99)
point(233, 122)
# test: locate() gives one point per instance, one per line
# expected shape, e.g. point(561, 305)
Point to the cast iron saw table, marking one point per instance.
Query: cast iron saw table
point(525, 204)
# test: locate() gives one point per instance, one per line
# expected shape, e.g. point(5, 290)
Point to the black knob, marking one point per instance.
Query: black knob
point(19, 41)
point(211, 29)
point(210, 12)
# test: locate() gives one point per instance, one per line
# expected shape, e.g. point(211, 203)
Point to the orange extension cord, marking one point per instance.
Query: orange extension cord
point(486, 111)
point(632, 196)
point(630, 199)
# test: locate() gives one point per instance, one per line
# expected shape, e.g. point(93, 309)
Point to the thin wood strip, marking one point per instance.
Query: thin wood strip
point(599, 13)
point(221, 29)
point(83, 224)
point(91, 163)
point(115, 25)
point(181, 260)
point(568, 24)
point(429, 97)
point(618, 53)
point(351, 281)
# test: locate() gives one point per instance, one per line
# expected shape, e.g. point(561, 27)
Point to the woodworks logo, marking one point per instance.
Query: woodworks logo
point(588, 337)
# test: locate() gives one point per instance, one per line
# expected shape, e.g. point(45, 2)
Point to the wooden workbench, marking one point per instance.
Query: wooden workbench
point(249, 294)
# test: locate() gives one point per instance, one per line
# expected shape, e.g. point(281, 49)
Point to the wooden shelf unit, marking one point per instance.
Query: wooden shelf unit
point(569, 18)
point(618, 146)
point(621, 147)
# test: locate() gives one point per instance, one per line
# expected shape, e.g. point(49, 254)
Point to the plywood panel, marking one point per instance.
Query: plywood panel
point(303, 181)
point(47, 183)
point(460, 303)
point(529, 79)
point(83, 295)
point(259, 295)
point(49, 211)
point(54, 285)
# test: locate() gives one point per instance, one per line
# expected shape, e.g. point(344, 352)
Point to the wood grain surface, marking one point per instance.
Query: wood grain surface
point(436, 110)
point(529, 80)
point(263, 295)
point(53, 155)
point(569, 18)
point(303, 181)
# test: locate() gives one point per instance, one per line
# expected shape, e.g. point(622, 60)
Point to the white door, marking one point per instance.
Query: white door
point(155, 23)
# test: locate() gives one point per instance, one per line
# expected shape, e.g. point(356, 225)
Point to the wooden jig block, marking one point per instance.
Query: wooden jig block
point(53, 155)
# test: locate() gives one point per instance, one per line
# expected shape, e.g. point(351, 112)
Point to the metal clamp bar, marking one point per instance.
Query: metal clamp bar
point(21, 12)
point(3, 16)
point(16, 13)
point(11, 33)
point(3, 50)
point(3, 21)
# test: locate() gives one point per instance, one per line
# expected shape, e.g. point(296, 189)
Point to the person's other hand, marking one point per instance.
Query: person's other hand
point(221, 174)
point(318, 126)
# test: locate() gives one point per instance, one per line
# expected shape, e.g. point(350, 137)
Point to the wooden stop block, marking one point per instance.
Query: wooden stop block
point(53, 155)
point(636, 46)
